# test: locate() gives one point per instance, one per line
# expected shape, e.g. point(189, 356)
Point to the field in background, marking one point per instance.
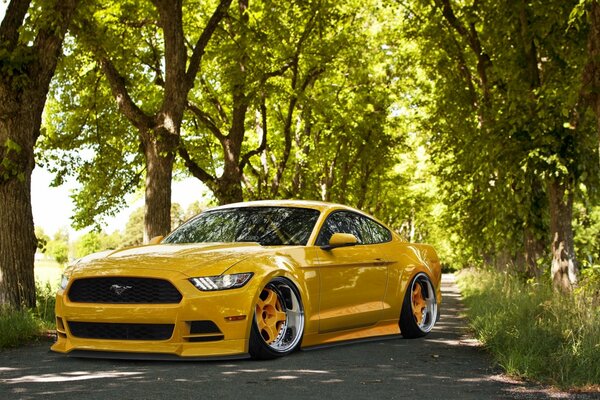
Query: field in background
point(48, 271)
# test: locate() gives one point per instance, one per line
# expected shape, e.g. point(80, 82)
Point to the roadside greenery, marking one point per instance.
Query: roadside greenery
point(531, 332)
point(19, 327)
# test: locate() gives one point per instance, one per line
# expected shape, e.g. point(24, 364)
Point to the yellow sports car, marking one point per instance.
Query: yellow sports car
point(257, 279)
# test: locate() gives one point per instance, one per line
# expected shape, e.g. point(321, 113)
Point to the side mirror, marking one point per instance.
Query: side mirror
point(156, 240)
point(340, 240)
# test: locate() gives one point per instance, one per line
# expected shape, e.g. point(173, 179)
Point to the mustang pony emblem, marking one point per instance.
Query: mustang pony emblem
point(118, 289)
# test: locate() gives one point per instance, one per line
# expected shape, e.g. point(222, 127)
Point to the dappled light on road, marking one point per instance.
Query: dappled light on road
point(70, 376)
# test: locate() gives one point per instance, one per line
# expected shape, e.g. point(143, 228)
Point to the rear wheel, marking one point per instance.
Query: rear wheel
point(419, 309)
point(278, 321)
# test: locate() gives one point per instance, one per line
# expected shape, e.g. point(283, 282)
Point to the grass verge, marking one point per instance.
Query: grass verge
point(18, 327)
point(533, 332)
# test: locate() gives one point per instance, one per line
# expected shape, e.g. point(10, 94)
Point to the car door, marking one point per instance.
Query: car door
point(353, 279)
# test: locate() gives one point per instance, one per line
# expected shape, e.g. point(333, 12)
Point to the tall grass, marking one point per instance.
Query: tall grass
point(533, 332)
point(18, 327)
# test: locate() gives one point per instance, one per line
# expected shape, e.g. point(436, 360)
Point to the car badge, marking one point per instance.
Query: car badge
point(118, 289)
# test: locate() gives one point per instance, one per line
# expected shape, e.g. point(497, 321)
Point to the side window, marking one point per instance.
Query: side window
point(372, 232)
point(340, 222)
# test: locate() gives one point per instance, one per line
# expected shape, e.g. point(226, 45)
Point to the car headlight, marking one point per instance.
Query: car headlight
point(221, 282)
point(64, 281)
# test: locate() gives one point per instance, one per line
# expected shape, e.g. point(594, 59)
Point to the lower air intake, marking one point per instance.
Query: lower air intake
point(103, 330)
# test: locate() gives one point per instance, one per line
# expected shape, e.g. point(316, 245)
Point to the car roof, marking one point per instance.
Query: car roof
point(317, 205)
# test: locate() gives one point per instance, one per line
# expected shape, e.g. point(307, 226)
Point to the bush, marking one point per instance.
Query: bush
point(533, 332)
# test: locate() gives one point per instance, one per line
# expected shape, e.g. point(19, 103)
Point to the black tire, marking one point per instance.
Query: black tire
point(419, 308)
point(272, 335)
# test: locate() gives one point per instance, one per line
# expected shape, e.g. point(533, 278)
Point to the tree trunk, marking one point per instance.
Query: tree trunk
point(159, 151)
point(17, 237)
point(23, 93)
point(564, 266)
point(229, 185)
point(533, 249)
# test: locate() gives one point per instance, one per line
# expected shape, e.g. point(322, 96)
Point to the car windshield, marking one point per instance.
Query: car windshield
point(269, 226)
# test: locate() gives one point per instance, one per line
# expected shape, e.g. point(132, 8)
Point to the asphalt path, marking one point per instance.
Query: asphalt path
point(447, 364)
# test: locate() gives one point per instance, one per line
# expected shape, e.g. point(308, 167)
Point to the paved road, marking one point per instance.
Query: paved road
point(447, 364)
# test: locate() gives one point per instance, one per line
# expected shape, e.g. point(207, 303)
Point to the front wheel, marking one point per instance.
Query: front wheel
point(278, 321)
point(419, 309)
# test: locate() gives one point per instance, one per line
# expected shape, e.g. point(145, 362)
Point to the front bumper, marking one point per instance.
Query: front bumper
point(204, 324)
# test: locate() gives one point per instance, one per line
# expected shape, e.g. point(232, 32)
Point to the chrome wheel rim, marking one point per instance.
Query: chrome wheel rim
point(279, 316)
point(423, 302)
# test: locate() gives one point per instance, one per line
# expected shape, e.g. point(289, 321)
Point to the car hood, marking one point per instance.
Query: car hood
point(190, 259)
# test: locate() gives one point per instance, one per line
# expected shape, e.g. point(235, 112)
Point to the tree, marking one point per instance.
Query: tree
point(506, 90)
point(134, 229)
point(58, 247)
point(31, 37)
point(94, 241)
point(122, 49)
point(265, 50)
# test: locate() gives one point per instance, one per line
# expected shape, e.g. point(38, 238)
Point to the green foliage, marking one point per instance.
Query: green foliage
point(46, 301)
point(93, 242)
point(58, 250)
point(587, 231)
point(503, 122)
point(379, 105)
point(193, 209)
point(42, 239)
point(21, 327)
point(134, 229)
point(11, 160)
point(58, 247)
point(17, 327)
point(533, 333)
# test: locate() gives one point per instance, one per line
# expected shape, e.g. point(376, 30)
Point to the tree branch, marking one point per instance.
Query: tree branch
point(49, 40)
point(197, 171)
point(200, 47)
point(117, 85)
point(13, 19)
point(263, 141)
point(287, 128)
point(206, 120)
point(472, 38)
point(215, 101)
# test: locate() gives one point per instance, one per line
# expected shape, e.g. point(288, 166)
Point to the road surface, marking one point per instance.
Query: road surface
point(447, 364)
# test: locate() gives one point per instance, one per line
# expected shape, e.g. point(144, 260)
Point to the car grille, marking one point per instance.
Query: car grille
point(103, 330)
point(123, 291)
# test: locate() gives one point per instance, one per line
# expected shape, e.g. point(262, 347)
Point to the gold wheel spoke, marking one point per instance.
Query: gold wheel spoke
point(280, 316)
point(418, 303)
point(271, 333)
point(261, 324)
point(271, 298)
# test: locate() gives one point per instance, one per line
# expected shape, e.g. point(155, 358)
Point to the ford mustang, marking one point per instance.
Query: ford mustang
point(257, 279)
